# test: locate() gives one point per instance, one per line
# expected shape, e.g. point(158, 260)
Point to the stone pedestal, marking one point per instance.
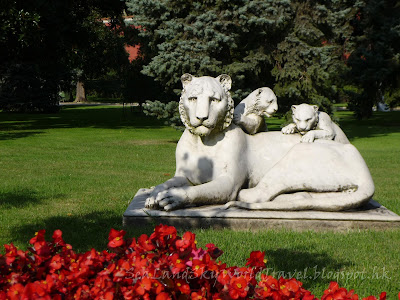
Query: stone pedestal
point(372, 216)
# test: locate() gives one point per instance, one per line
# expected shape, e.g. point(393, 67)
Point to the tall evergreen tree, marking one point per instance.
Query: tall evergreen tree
point(291, 46)
point(375, 59)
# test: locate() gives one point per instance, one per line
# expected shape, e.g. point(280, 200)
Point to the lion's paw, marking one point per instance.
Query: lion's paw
point(308, 137)
point(289, 129)
point(171, 199)
point(252, 195)
point(150, 203)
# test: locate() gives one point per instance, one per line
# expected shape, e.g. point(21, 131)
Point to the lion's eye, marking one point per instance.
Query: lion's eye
point(215, 99)
point(192, 98)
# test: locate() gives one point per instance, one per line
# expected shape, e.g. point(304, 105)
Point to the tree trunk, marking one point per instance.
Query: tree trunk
point(80, 92)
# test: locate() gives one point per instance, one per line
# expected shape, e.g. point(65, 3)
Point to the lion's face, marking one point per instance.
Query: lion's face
point(266, 102)
point(206, 104)
point(305, 117)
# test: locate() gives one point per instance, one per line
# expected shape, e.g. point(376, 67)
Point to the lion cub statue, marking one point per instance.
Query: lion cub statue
point(249, 113)
point(313, 124)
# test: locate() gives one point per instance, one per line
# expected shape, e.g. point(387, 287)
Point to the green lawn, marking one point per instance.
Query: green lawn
point(78, 170)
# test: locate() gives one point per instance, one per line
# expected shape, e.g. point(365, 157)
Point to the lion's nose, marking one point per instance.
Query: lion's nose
point(202, 110)
point(202, 118)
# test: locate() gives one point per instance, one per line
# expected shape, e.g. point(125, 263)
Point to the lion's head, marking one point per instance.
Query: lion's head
point(265, 102)
point(305, 117)
point(206, 104)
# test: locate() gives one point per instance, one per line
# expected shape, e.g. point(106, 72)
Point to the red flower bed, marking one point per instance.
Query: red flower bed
point(160, 266)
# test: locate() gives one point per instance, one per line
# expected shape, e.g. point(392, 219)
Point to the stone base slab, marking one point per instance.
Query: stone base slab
point(371, 216)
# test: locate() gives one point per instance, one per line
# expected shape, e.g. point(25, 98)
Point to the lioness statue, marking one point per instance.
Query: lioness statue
point(313, 124)
point(249, 113)
point(217, 162)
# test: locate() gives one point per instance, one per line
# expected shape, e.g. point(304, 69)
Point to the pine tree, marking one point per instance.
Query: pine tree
point(375, 59)
point(294, 47)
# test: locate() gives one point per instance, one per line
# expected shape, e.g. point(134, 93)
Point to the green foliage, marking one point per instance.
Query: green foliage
point(375, 60)
point(43, 44)
point(293, 46)
point(168, 112)
point(392, 97)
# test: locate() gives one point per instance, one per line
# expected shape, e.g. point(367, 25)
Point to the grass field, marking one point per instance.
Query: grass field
point(78, 170)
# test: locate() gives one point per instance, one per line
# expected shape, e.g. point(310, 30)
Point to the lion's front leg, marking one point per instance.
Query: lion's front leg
point(173, 198)
point(218, 191)
point(153, 199)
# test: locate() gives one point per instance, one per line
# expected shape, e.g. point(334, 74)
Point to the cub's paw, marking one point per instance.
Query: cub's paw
point(289, 129)
point(309, 137)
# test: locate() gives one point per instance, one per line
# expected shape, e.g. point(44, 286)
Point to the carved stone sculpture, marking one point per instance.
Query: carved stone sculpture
point(313, 124)
point(217, 162)
point(249, 113)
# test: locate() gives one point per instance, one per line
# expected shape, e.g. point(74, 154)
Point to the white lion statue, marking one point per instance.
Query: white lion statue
point(313, 124)
point(218, 163)
point(249, 113)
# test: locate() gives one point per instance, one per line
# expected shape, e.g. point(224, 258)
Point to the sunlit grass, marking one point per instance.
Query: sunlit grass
point(78, 170)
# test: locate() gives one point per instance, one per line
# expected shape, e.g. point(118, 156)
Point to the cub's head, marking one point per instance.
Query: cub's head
point(265, 102)
point(206, 104)
point(305, 117)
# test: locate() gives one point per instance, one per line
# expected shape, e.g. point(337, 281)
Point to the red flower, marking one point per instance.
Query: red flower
point(52, 270)
point(145, 243)
point(35, 291)
point(42, 248)
point(163, 235)
point(214, 251)
point(39, 237)
point(11, 253)
point(197, 296)
point(143, 285)
point(15, 291)
point(238, 287)
point(57, 238)
point(224, 276)
point(163, 296)
point(56, 263)
point(381, 297)
point(289, 287)
point(187, 241)
point(83, 292)
point(198, 267)
point(177, 263)
point(217, 296)
point(182, 286)
point(256, 259)
point(116, 238)
point(337, 293)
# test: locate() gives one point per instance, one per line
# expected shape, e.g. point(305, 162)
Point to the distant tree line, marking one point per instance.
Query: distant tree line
point(318, 52)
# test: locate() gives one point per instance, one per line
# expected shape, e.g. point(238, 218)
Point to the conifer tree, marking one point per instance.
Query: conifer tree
point(294, 47)
point(375, 59)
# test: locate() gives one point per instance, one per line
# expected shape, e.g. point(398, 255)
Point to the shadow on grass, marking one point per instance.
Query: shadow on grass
point(380, 124)
point(309, 268)
point(12, 135)
point(108, 117)
point(18, 199)
point(83, 232)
